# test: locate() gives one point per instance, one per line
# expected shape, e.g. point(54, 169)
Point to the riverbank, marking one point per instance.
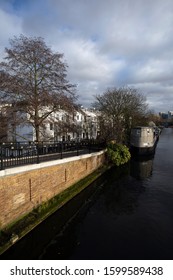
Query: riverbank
point(15, 231)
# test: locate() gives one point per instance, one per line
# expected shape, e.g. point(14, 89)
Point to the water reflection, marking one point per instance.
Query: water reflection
point(122, 194)
point(141, 168)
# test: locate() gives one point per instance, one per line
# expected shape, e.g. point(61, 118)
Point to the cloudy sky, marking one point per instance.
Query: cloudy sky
point(105, 43)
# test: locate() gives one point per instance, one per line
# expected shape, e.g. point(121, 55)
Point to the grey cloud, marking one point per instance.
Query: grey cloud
point(105, 43)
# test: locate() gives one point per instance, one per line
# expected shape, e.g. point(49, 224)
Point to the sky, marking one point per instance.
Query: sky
point(106, 43)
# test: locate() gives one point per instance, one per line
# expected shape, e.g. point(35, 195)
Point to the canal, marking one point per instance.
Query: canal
point(125, 214)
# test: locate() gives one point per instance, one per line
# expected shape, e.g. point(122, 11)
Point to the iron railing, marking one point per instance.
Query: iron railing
point(23, 153)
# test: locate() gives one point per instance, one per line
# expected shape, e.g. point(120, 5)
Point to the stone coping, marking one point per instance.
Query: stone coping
point(29, 167)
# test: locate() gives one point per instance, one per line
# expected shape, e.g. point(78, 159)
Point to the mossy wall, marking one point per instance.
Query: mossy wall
point(21, 192)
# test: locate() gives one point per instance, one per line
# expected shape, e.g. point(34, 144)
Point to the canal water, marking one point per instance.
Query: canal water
point(125, 214)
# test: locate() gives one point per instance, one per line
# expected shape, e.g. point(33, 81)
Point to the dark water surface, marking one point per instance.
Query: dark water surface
point(125, 214)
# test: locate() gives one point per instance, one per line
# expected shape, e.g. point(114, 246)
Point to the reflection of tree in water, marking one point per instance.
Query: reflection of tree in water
point(141, 168)
point(122, 192)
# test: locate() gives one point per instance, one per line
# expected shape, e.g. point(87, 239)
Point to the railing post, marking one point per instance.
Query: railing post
point(61, 150)
point(2, 165)
point(77, 148)
point(89, 147)
point(38, 159)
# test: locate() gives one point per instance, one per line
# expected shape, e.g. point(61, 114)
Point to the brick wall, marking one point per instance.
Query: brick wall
point(22, 189)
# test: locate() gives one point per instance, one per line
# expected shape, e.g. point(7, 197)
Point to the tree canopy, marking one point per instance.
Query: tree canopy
point(120, 108)
point(34, 79)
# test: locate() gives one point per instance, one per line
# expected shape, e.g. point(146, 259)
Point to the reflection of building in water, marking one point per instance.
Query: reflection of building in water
point(141, 168)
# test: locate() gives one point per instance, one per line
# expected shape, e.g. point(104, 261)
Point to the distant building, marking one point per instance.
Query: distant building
point(59, 126)
point(167, 118)
point(170, 115)
point(163, 115)
point(90, 124)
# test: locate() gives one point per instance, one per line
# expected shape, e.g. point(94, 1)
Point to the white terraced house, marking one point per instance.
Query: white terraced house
point(59, 126)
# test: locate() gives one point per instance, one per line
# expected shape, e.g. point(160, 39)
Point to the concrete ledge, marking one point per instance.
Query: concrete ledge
point(30, 167)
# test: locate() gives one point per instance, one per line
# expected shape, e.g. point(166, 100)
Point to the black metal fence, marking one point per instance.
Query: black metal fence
point(23, 153)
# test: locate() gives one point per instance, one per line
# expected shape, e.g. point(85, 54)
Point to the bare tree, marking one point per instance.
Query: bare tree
point(120, 109)
point(153, 117)
point(35, 79)
point(3, 123)
point(9, 119)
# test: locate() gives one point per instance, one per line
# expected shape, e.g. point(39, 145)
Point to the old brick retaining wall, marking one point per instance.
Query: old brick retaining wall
point(23, 188)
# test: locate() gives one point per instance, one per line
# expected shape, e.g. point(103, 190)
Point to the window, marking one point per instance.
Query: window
point(136, 131)
point(51, 126)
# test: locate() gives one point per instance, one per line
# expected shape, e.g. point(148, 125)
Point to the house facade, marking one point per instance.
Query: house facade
point(59, 126)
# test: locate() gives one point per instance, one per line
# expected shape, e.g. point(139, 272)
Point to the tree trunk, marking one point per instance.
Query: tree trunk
point(37, 133)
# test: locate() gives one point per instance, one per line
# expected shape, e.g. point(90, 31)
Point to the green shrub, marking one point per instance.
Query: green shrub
point(118, 154)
